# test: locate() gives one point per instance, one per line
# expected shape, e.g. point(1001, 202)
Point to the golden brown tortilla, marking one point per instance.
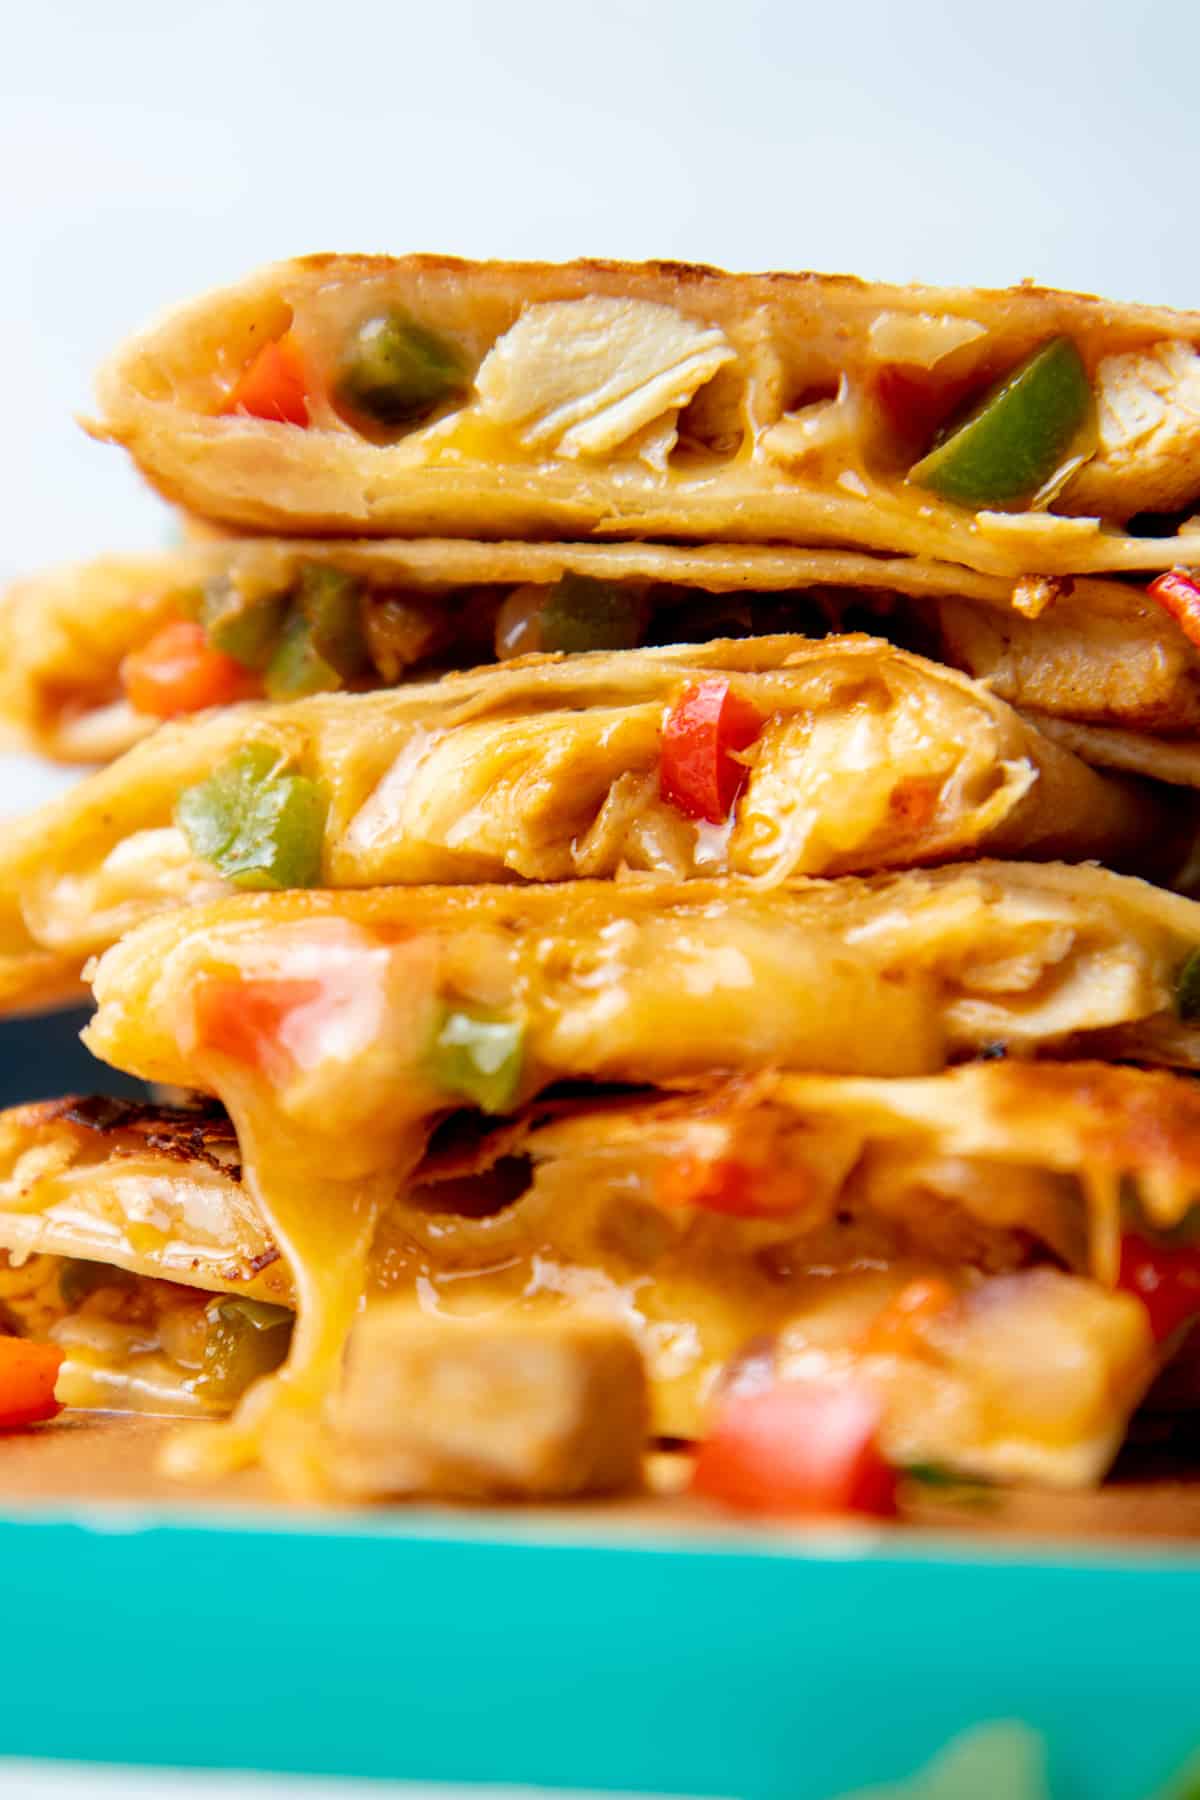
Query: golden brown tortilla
point(655, 980)
point(658, 400)
point(548, 769)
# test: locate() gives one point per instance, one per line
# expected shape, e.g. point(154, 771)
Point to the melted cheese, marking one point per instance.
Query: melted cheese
point(609, 984)
point(864, 1186)
point(324, 1148)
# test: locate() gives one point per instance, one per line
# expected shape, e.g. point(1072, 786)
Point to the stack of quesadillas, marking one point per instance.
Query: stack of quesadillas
point(647, 799)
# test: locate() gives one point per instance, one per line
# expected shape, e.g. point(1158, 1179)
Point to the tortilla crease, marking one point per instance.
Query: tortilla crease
point(548, 769)
point(1001, 1181)
point(671, 402)
point(1101, 652)
point(1175, 761)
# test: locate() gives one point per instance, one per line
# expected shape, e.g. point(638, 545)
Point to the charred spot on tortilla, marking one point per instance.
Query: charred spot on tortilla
point(200, 1133)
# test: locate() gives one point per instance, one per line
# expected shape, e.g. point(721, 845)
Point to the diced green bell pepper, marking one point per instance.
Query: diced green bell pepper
point(966, 1490)
point(323, 644)
point(395, 372)
point(297, 668)
point(1187, 988)
point(78, 1278)
point(246, 1339)
point(331, 601)
point(240, 626)
point(187, 603)
point(1011, 443)
point(258, 825)
point(580, 614)
point(479, 1057)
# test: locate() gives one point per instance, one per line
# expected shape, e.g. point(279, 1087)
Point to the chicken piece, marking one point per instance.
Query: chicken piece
point(823, 425)
point(475, 1409)
point(1148, 420)
point(581, 377)
point(1032, 1376)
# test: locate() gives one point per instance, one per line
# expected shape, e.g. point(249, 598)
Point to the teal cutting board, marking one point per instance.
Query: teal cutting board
point(452, 1648)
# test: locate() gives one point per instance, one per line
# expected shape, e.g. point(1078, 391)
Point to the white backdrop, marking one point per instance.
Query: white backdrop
point(150, 150)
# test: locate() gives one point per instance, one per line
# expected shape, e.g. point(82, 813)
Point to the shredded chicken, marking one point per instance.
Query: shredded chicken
point(583, 377)
point(822, 425)
point(1148, 420)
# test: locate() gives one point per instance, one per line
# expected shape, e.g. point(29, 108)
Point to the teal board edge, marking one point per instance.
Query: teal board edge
point(418, 1651)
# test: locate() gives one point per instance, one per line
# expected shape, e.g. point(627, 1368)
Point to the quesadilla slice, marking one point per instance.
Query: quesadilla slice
point(969, 1241)
point(1011, 431)
point(338, 1029)
point(93, 656)
point(130, 1241)
point(764, 757)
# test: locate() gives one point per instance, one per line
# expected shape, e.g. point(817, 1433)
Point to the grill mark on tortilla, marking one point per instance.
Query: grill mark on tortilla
point(181, 1134)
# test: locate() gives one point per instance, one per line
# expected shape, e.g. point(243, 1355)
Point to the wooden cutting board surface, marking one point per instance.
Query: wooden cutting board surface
point(89, 1458)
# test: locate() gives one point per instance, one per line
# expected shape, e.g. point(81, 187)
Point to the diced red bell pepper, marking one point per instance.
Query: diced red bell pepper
point(898, 1329)
point(705, 728)
point(798, 1448)
point(722, 1184)
point(1178, 593)
point(273, 386)
point(1165, 1279)
point(178, 671)
point(914, 801)
point(245, 1019)
point(28, 1372)
point(914, 406)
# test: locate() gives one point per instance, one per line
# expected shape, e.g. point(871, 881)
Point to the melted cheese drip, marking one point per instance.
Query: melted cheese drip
point(323, 1151)
point(862, 1188)
point(324, 1228)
